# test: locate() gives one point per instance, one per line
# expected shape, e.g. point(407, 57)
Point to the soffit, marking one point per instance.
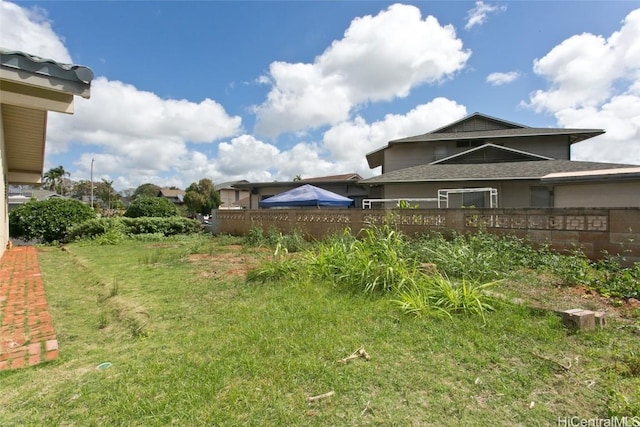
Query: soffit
point(24, 134)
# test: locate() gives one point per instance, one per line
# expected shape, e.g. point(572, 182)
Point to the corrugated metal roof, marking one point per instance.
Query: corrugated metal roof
point(46, 67)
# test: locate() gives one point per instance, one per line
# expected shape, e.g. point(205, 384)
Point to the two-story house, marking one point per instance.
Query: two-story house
point(482, 161)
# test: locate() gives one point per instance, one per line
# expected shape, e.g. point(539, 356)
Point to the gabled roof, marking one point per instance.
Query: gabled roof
point(343, 177)
point(482, 127)
point(170, 192)
point(229, 185)
point(330, 179)
point(527, 170)
point(491, 153)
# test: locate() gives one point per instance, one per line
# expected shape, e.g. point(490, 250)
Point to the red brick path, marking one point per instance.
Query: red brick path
point(26, 330)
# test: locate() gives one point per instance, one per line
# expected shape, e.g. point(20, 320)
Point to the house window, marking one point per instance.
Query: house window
point(468, 143)
point(237, 195)
point(540, 197)
point(440, 152)
point(475, 200)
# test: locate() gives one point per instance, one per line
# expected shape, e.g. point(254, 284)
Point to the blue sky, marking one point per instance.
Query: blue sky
point(268, 90)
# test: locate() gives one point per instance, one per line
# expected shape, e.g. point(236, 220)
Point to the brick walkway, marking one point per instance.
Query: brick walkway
point(26, 330)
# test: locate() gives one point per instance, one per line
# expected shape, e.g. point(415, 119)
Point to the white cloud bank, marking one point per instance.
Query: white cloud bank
point(379, 58)
point(595, 83)
point(135, 136)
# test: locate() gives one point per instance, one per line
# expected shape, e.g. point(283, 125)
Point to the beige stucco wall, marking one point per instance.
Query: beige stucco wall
point(597, 195)
point(4, 228)
point(513, 194)
point(228, 197)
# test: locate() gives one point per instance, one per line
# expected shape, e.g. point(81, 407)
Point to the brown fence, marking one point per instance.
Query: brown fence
point(595, 231)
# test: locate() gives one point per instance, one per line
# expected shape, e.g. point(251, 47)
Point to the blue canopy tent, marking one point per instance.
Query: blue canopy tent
point(306, 195)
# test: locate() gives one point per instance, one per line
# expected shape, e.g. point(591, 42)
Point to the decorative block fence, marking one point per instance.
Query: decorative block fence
point(616, 231)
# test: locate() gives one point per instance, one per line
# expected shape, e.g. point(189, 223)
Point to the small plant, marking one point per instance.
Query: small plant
point(614, 280)
point(403, 204)
point(572, 269)
point(103, 320)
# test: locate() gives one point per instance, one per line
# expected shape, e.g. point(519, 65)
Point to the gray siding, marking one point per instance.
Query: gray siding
point(405, 155)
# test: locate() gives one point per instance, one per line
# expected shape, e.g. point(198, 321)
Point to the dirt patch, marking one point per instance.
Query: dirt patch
point(224, 264)
point(548, 295)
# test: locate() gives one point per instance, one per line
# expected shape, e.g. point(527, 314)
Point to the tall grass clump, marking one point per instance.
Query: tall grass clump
point(375, 262)
point(478, 257)
point(438, 296)
point(272, 237)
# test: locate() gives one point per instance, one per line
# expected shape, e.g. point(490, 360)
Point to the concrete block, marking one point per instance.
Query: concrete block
point(600, 319)
point(578, 319)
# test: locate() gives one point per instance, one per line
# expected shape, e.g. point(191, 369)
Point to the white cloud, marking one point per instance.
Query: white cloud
point(350, 141)
point(478, 15)
point(380, 57)
point(29, 30)
point(342, 149)
point(595, 83)
point(499, 79)
point(138, 131)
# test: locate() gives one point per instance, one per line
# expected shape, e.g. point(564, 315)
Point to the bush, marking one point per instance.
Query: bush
point(111, 227)
point(47, 220)
point(151, 207)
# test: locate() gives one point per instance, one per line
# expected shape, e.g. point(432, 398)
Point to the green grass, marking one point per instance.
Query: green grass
point(191, 342)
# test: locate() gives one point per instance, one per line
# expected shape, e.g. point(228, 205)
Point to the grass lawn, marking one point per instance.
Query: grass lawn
point(191, 343)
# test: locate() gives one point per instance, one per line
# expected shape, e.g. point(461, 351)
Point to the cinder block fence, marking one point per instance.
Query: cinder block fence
point(595, 231)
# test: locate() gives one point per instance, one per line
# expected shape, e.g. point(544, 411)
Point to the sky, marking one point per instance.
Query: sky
point(271, 90)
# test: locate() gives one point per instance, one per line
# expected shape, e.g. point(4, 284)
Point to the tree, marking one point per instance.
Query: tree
point(106, 193)
point(146, 190)
point(297, 178)
point(81, 188)
point(145, 206)
point(201, 197)
point(53, 179)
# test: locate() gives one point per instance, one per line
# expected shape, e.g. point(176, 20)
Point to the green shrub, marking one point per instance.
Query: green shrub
point(167, 226)
point(151, 207)
point(48, 220)
point(111, 229)
point(96, 227)
point(614, 280)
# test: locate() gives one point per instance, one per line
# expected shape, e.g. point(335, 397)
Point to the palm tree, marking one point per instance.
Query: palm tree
point(106, 191)
point(53, 179)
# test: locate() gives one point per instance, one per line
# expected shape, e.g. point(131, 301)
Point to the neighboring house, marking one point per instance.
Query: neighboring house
point(30, 87)
point(16, 199)
point(346, 185)
point(480, 161)
point(174, 195)
point(231, 197)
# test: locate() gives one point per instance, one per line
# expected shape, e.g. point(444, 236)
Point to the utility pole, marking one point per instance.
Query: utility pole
point(92, 160)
